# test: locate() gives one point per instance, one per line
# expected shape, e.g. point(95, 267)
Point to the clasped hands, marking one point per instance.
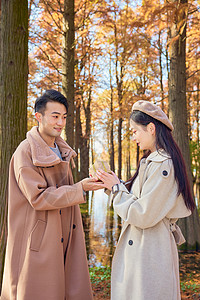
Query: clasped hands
point(107, 180)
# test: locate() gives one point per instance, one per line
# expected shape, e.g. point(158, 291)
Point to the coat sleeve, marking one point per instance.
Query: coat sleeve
point(41, 197)
point(158, 197)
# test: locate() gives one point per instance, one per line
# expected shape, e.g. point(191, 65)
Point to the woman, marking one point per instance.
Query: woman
point(145, 263)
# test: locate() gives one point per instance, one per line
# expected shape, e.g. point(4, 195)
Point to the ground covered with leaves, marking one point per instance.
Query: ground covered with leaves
point(189, 276)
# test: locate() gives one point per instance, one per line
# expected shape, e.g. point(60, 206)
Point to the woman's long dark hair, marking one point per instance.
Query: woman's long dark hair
point(164, 140)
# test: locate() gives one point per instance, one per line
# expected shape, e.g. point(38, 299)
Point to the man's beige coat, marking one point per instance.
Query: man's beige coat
point(45, 256)
point(145, 263)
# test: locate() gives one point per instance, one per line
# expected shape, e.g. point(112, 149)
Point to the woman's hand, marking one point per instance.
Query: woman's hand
point(108, 179)
point(91, 184)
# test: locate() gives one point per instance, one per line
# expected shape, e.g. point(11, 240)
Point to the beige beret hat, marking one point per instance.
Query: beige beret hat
point(153, 111)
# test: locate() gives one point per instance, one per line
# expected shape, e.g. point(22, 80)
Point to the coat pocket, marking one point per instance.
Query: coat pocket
point(37, 235)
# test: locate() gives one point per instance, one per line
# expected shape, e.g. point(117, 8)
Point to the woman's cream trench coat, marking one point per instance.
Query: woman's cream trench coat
point(45, 256)
point(145, 263)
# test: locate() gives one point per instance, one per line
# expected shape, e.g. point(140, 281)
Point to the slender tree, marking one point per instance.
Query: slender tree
point(178, 109)
point(161, 69)
point(121, 58)
point(112, 148)
point(85, 138)
point(13, 109)
point(68, 66)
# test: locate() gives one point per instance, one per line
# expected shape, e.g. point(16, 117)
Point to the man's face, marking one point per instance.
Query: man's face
point(52, 122)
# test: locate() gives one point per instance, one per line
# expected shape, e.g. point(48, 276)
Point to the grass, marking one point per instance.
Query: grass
point(100, 279)
point(190, 287)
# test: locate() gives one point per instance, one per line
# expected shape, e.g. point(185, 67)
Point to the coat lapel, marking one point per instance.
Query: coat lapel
point(42, 155)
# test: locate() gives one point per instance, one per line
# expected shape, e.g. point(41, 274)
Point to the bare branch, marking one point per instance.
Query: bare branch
point(48, 5)
point(49, 43)
point(193, 91)
point(192, 74)
point(49, 59)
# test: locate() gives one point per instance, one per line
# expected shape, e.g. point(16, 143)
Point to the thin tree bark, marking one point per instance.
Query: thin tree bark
point(85, 145)
point(68, 67)
point(109, 233)
point(178, 114)
point(161, 70)
point(13, 105)
point(197, 110)
point(189, 103)
point(0, 84)
point(112, 149)
point(119, 81)
point(128, 162)
point(128, 153)
point(120, 144)
point(78, 130)
point(137, 155)
point(86, 217)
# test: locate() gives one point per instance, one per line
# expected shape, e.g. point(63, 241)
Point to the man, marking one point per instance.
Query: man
point(45, 255)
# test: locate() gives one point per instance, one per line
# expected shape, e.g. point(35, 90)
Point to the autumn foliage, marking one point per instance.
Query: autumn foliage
point(122, 54)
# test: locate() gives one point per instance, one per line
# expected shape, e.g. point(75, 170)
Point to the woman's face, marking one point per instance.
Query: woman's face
point(145, 136)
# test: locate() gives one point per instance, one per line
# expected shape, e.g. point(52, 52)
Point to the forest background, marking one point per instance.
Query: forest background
point(104, 56)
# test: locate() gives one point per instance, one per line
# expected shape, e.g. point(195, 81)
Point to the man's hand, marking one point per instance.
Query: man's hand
point(92, 184)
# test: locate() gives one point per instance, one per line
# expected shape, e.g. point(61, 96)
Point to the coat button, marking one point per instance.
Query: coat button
point(130, 242)
point(165, 173)
point(74, 226)
point(62, 240)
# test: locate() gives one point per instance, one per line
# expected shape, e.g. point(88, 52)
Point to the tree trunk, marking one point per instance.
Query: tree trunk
point(119, 81)
point(161, 71)
point(92, 150)
point(84, 157)
point(86, 217)
point(13, 110)
point(120, 148)
point(85, 145)
point(112, 149)
point(137, 155)
point(178, 114)
point(109, 233)
point(68, 67)
point(197, 110)
point(189, 103)
point(128, 152)
point(128, 165)
point(78, 130)
point(119, 88)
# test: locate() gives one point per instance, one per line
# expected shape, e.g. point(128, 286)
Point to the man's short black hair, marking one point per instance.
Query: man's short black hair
point(49, 96)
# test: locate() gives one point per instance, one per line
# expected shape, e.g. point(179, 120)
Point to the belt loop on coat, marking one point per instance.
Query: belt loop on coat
point(176, 231)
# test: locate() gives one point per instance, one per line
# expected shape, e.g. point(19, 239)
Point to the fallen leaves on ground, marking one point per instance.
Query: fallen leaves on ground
point(189, 277)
